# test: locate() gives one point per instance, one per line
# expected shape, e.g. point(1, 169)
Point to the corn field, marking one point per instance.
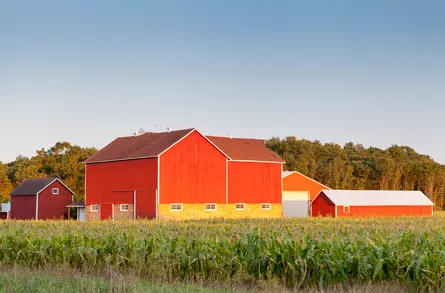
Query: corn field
point(297, 253)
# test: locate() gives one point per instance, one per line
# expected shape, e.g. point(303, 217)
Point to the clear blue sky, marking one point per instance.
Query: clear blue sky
point(371, 72)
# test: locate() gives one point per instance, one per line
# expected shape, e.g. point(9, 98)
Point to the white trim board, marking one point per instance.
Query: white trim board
point(313, 180)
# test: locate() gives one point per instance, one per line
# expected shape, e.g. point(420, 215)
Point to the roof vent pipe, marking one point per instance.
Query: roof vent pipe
point(230, 135)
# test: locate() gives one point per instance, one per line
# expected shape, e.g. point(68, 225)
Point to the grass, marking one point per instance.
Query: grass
point(63, 280)
point(278, 255)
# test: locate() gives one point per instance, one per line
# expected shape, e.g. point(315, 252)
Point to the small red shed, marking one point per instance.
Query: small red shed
point(371, 203)
point(40, 199)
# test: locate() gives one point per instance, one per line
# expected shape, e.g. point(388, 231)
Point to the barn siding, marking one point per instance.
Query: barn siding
point(23, 207)
point(385, 211)
point(53, 206)
point(255, 182)
point(104, 180)
point(298, 182)
point(322, 207)
point(197, 211)
point(193, 171)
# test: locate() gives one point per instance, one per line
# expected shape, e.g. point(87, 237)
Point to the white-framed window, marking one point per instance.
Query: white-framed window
point(210, 206)
point(176, 207)
point(124, 207)
point(55, 190)
point(266, 206)
point(240, 206)
point(346, 209)
point(95, 208)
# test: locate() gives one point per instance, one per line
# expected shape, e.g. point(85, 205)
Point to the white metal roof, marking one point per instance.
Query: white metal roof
point(378, 198)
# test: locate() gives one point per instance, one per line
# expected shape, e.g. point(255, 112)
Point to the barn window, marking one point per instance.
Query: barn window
point(266, 206)
point(240, 206)
point(346, 209)
point(210, 206)
point(95, 208)
point(55, 190)
point(176, 207)
point(124, 207)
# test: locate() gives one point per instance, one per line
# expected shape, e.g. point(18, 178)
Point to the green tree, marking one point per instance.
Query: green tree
point(5, 183)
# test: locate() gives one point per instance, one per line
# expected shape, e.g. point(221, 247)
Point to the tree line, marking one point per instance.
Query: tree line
point(355, 167)
point(351, 166)
point(63, 160)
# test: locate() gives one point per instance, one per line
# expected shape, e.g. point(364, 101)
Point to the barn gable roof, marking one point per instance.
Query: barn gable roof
point(287, 173)
point(147, 145)
point(34, 186)
point(245, 149)
point(377, 198)
point(153, 144)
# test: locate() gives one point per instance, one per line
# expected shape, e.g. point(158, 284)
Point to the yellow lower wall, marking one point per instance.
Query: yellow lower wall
point(197, 211)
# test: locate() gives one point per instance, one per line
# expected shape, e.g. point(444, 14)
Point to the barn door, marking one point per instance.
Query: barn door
point(146, 204)
point(296, 203)
point(106, 211)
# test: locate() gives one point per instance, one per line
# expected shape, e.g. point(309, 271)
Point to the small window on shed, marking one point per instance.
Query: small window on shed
point(95, 208)
point(176, 207)
point(55, 190)
point(266, 206)
point(210, 206)
point(124, 207)
point(240, 206)
point(346, 209)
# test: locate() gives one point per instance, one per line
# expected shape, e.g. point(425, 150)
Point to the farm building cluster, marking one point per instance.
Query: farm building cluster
point(185, 174)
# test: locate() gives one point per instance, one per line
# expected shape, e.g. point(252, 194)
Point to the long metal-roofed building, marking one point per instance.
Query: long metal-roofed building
point(371, 203)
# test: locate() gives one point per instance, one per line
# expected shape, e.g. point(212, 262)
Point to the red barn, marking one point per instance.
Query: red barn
point(364, 203)
point(40, 198)
point(298, 191)
point(183, 174)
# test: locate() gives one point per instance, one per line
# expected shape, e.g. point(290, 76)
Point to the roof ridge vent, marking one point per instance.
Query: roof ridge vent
point(139, 132)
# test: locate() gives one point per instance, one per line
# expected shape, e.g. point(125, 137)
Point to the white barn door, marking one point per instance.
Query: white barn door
point(296, 203)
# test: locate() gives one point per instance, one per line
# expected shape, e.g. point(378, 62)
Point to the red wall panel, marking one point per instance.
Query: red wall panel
point(385, 211)
point(23, 207)
point(322, 207)
point(53, 206)
point(193, 171)
point(253, 182)
point(106, 211)
point(146, 204)
point(106, 181)
point(298, 182)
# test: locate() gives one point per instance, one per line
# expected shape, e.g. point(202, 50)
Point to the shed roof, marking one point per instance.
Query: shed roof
point(79, 204)
point(378, 198)
point(149, 144)
point(245, 149)
point(32, 186)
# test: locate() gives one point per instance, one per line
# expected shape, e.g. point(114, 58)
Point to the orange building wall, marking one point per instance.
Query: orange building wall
point(193, 171)
point(104, 180)
point(298, 182)
point(385, 211)
point(322, 207)
point(253, 182)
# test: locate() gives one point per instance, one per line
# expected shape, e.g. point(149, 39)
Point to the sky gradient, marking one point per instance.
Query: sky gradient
point(370, 72)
